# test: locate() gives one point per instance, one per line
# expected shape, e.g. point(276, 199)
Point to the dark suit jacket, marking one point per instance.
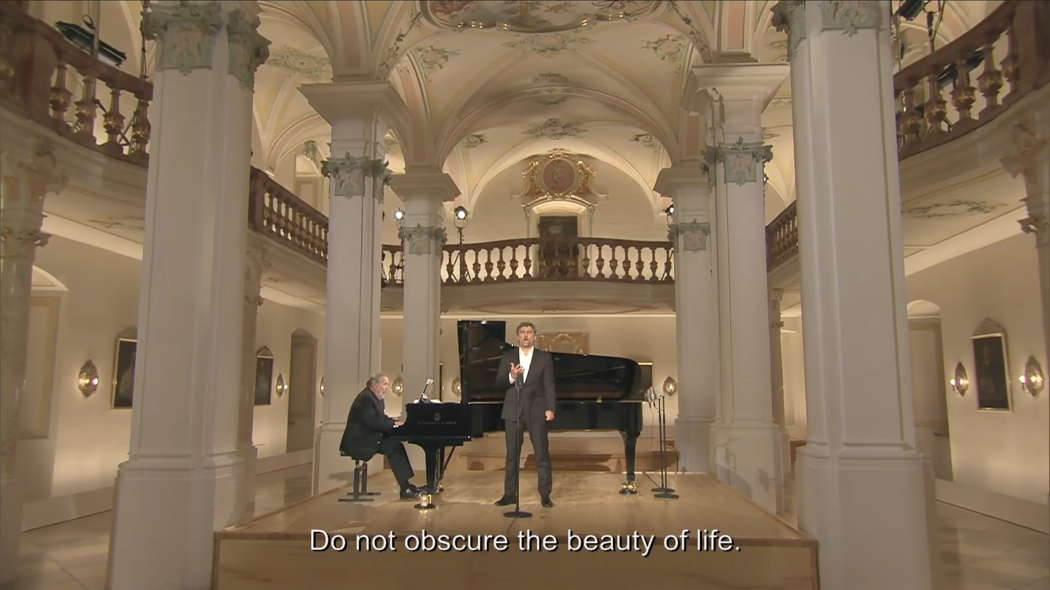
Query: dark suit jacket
point(537, 392)
point(365, 426)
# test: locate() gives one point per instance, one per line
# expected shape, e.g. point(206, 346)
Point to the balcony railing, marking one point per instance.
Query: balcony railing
point(277, 213)
point(42, 75)
point(1009, 44)
point(782, 237)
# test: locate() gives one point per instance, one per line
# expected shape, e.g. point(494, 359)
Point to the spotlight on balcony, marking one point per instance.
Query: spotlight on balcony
point(461, 213)
point(399, 215)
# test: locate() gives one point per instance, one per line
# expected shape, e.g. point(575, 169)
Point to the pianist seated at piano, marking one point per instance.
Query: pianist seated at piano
point(366, 427)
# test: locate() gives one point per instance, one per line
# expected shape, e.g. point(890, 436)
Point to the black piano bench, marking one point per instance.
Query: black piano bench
point(360, 492)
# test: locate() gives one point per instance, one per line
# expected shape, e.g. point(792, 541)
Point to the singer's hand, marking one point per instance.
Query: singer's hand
point(516, 370)
point(548, 414)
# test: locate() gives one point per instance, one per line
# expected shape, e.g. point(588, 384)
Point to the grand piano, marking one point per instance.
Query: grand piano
point(594, 393)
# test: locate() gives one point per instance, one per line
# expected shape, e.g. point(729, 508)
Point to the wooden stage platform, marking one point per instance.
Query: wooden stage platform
point(273, 551)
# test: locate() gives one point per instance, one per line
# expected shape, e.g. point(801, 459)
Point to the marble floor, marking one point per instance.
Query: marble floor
point(977, 552)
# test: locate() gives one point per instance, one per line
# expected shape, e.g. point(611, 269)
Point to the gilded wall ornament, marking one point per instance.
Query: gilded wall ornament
point(422, 239)
point(693, 235)
point(248, 49)
point(349, 172)
point(558, 175)
point(185, 33)
point(742, 161)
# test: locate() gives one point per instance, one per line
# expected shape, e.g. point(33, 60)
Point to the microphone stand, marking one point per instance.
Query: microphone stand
point(517, 512)
point(663, 491)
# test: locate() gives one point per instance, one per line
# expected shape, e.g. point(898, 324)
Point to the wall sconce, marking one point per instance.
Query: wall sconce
point(281, 387)
point(670, 386)
point(322, 386)
point(1032, 381)
point(960, 383)
point(399, 215)
point(398, 387)
point(457, 386)
point(87, 379)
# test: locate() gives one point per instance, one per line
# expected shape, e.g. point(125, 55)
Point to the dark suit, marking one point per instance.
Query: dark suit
point(363, 437)
point(537, 396)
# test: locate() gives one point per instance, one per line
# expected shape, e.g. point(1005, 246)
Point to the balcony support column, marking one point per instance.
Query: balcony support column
point(696, 324)
point(23, 185)
point(861, 485)
point(185, 467)
point(748, 443)
point(422, 234)
point(257, 262)
point(357, 171)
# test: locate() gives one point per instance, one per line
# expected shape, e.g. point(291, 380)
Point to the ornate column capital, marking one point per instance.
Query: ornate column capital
point(742, 161)
point(422, 239)
point(1029, 156)
point(789, 16)
point(248, 49)
point(849, 16)
point(693, 235)
point(348, 175)
point(185, 33)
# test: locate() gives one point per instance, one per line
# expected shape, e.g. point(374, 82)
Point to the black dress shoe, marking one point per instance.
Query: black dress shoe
point(505, 501)
point(408, 494)
point(545, 501)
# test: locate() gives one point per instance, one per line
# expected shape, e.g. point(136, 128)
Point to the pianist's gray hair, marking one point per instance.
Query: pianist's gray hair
point(373, 379)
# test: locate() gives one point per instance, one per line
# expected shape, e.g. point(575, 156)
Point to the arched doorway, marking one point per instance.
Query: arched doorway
point(928, 386)
point(302, 377)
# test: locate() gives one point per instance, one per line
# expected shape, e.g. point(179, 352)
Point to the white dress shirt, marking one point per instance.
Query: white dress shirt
point(525, 360)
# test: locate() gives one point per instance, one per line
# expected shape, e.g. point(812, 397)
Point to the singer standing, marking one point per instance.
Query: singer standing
point(528, 374)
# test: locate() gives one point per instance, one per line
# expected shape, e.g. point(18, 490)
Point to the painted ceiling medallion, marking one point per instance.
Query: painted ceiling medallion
point(553, 129)
point(531, 16)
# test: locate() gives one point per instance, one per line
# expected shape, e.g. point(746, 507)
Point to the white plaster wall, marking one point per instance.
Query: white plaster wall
point(794, 378)
point(274, 327)
point(88, 436)
point(1004, 452)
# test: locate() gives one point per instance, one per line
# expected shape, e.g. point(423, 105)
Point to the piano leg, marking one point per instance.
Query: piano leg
point(629, 443)
point(433, 466)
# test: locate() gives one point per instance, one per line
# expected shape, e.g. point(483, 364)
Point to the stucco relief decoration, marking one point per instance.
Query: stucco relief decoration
point(349, 172)
point(645, 139)
point(185, 33)
point(473, 140)
point(693, 235)
point(552, 87)
point(248, 49)
point(955, 208)
point(548, 45)
point(669, 48)
point(128, 222)
point(532, 16)
point(742, 161)
point(553, 129)
point(851, 15)
point(433, 58)
point(311, 67)
point(789, 16)
point(422, 239)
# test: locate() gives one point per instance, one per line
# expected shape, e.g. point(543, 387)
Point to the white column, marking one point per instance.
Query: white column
point(696, 325)
point(777, 390)
point(1030, 157)
point(182, 479)
point(358, 173)
point(422, 235)
point(23, 184)
point(748, 442)
point(861, 489)
point(256, 263)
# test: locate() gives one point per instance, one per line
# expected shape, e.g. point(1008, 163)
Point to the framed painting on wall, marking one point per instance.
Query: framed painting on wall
point(124, 372)
point(990, 364)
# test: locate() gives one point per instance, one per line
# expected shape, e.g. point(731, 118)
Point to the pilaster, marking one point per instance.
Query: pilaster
point(748, 443)
point(257, 261)
point(696, 326)
point(186, 467)
point(861, 486)
point(23, 185)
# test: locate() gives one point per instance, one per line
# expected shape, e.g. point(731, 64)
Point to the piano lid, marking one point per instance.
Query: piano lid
point(576, 376)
